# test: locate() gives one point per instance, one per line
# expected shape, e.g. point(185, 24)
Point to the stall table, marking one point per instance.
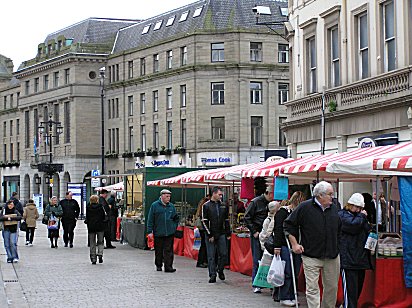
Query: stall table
point(241, 255)
point(133, 232)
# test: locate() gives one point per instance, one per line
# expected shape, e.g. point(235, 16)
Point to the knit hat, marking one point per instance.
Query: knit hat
point(357, 199)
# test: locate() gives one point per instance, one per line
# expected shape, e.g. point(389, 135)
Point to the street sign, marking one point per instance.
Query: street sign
point(95, 182)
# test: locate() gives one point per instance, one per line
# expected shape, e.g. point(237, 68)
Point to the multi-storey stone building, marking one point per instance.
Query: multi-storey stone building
point(359, 55)
point(203, 78)
point(201, 85)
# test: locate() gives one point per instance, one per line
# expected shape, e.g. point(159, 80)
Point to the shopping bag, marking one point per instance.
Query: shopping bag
point(198, 239)
point(53, 223)
point(261, 277)
point(276, 274)
point(150, 241)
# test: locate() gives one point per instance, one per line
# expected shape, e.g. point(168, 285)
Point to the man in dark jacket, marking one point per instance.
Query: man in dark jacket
point(161, 224)
point(215, 219)
point(114, 213)
point(319, 225)
point(256, 213)
point(71, 212)
point(106, 207)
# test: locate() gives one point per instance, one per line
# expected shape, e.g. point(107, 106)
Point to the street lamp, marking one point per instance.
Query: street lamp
point(46, 129)
point(102, 76)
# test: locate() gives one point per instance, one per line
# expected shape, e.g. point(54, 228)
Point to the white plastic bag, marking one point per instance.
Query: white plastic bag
point(276, 275)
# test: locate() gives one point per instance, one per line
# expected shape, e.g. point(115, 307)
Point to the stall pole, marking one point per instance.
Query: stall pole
point(388, 198)
point(376, 209)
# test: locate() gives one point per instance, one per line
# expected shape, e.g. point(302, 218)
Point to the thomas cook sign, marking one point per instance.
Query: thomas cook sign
point(217, 159)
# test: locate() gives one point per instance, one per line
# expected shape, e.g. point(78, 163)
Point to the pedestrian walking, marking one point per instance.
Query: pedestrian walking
point(106, 207)
point(17, 204)
point(30, 215)
point(96, 225)
point(113, 214)
point(354, 258)
point(10, 217)
point(318, 222)
point(53, 212)
point(202, 255)
point(161, 224)
point(71, 211)
point(286, 292)
point(215, 219)
point(255, 215)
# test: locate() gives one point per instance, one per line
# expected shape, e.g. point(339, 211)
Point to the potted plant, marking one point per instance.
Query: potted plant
point(179, 150)
point(162, 150)
point(127, 154)
point(332, 106)
point(168, 152)
point(149, 152)
point(155, 152)
point(139, 153)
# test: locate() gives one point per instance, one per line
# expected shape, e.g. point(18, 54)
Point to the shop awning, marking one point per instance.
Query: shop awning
point(267, 168)
point(403, 163)
point(346, 165)
point(114, 187)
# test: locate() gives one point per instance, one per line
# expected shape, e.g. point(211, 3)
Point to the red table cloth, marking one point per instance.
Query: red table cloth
point(241, 255)
point(189, 238)
point(178, 244)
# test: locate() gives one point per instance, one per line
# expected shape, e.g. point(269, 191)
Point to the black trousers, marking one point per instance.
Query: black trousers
point(163, 246)
point(113, 225)
point(202, 256)
point(107, 234)
point(30, 234)
point(68, 231)
point(352, 282)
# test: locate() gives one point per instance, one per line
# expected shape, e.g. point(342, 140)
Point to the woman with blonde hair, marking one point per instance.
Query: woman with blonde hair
point(95, 220)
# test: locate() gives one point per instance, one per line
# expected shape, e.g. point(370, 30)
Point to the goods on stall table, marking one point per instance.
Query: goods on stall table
point(241, 231)
point(390, 247)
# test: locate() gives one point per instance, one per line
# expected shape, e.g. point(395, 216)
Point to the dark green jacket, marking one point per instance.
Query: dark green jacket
point(162, 219)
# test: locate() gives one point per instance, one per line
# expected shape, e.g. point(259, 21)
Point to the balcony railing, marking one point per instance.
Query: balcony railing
point(388, 86)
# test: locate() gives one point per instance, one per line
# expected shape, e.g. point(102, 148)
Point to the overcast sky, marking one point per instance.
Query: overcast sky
point(24, 24)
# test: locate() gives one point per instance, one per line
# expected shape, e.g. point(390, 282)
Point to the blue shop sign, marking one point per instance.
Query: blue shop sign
point(163, 162)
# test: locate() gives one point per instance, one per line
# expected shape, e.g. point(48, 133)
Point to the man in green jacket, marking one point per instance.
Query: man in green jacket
point(162, 223)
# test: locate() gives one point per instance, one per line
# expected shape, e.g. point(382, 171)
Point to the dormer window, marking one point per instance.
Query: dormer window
point(158, 25)
point(49, 49)
point(69, 42)
point(184, 16)
point(146, 29)
point(197, 12)
point(59, 45)
point(170, 21)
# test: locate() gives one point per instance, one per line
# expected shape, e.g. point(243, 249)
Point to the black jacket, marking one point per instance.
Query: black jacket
point(70, 209)
point(319, 230)
point(7, 211)
point(94, 218)
point(355, 231)
point(278, 232)
point(215, 218)
point(114, 211)
point(256, 213)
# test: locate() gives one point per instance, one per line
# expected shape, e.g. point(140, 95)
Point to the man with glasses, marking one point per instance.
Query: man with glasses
point(317, 222)
point(215, 219)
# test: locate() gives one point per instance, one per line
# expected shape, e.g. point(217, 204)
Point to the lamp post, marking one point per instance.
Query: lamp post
point(46, 129)
point(102, 76)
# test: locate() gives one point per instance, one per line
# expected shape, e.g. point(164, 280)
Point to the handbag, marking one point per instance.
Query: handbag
point(270, 244)
point(23, 226)
point(179, 234)
point(45, 220)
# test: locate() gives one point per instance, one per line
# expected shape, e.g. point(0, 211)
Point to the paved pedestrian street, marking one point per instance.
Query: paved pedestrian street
point(64, 277)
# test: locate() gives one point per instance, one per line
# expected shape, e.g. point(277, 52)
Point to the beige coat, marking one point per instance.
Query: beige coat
point(30, 215)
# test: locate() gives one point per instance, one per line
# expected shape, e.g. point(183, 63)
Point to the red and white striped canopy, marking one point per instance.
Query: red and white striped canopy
point(267, 168)
point(114, 187)
point(403, 163)
point(358, 162)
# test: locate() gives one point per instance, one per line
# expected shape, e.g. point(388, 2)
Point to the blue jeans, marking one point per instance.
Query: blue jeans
point(219, 244)
point(10, 244)
point(286, 291)
point(257, 254)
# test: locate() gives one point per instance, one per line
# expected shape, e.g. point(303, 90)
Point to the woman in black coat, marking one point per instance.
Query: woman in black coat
point(95, 220)
point(354, 258)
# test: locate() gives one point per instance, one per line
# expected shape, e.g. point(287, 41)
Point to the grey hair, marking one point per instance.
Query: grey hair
point(321, 188)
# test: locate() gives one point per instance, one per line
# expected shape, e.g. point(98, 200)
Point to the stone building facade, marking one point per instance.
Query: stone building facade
point(359, 55)
point(201, 85)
